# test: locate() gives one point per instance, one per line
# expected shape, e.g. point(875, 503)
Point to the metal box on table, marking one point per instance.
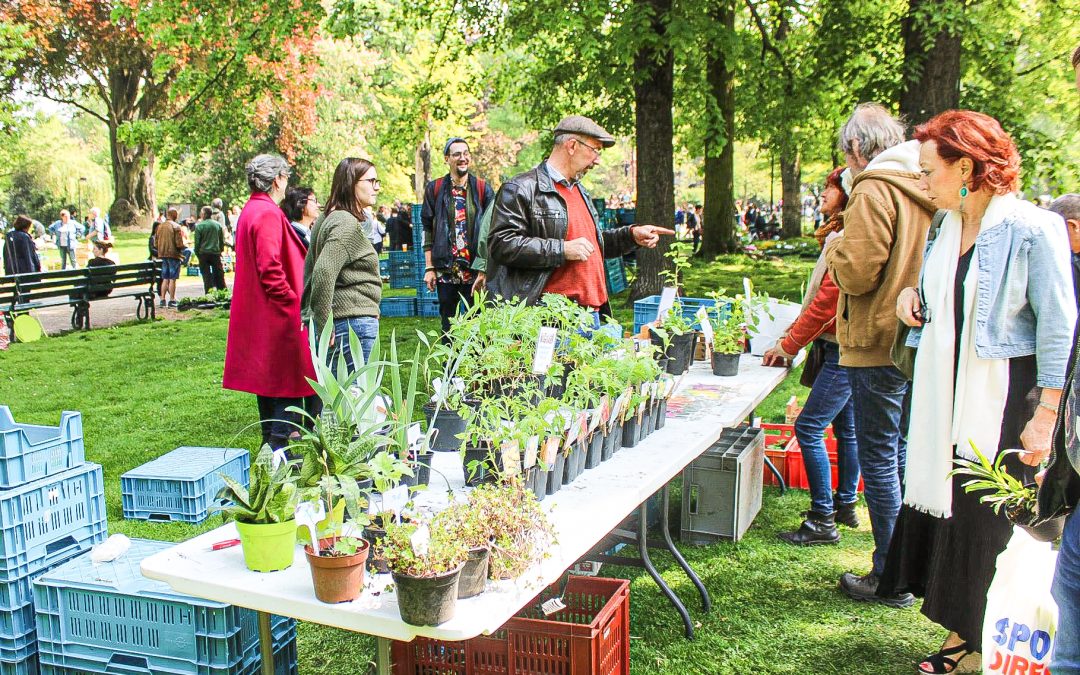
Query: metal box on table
point(721, 491)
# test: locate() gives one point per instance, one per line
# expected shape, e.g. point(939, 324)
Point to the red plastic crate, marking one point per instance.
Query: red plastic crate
point(777, 439)
point(590, 637)
point(789, 461)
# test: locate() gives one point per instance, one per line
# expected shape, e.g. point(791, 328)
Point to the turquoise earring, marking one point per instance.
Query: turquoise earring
point(963, 195)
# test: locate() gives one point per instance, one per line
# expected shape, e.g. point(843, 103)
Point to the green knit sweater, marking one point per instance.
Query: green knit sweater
point(341, 271)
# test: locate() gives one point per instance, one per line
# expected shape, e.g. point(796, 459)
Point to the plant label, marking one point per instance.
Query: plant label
point(395, 499)
point(511, 458)
point(605, 408)
point(532, 447)
point(706, 327)
point(415, 435)
point(420, 540)
point(277, 458)
point(551, 450)
point(545, 349)
point(667, 301)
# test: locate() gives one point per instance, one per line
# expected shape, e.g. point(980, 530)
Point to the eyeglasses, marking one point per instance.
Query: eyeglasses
point(375, 182)
point(312, 199)
point(598, 151)
point(459, 155)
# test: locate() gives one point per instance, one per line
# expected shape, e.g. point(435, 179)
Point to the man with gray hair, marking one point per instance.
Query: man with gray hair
point(1068, 207)
point(217, 212)
point(885, 225)
point(545, 235)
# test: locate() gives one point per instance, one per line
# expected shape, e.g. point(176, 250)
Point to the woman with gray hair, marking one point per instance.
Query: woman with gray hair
point(267, 351)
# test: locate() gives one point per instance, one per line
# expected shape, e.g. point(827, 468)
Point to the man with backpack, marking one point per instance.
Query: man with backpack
point(452, 206)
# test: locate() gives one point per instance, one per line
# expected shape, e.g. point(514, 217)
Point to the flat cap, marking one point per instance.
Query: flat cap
point(579, 124)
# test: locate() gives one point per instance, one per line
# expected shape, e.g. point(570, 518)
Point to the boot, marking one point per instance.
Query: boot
point(864, 589)
point(818, 528)
point(845, 515)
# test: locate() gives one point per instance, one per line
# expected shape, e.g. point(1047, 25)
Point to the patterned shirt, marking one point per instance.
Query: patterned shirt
point(459, 272)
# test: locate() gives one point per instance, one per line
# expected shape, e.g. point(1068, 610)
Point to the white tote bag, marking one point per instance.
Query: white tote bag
point(1021, 616)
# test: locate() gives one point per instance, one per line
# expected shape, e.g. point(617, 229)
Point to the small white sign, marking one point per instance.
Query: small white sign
point(420, 540)
point(395, 499)
point(706, 327)
point(532, 447)
point(545, 349)
point(667, 300)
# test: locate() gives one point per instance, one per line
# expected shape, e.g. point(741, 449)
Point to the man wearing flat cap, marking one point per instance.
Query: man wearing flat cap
point(545, 235)
point(452, 206)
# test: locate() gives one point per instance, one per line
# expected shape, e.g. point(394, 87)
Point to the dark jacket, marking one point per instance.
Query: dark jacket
point(528, 230)
point(1060, 490)
point(436, 213)
point(20, 253)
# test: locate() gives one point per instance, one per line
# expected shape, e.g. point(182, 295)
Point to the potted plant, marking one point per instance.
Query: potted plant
point(337, 568)
point(517, 525)
point(468, 525)
point(728, 320)
point(1005, 493)
point(426, 566)
point(675, 336)
point(264, 512)
point(387, 470)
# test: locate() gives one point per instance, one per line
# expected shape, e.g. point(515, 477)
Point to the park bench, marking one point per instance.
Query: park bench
point(78, 288)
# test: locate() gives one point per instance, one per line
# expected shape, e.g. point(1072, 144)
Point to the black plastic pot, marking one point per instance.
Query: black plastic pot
point(474, 573)
point(725, 365)
point(596, 449)
point(630, 433)
point(422, 469)
point(483, 471)
point(617, 432)
point(661, 415)
point(449, 424)
point(609, 441)
point(680, 351)
point(372, 534)
point(536, 481)
point(555, 473)
point(427, 601)
point(1048, 530)
point(646, 426)
point(570, 466)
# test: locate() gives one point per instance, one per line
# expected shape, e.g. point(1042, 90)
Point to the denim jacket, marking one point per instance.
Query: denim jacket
point(1025, 302)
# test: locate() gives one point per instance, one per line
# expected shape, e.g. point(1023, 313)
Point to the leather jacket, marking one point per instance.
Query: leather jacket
point(528, 230)
point(435, 216)
point(1060, 490)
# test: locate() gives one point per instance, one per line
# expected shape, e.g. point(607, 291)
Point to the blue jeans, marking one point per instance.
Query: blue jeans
point(829, 402)
point(882, 399)
point(67, 253)
point(1066, 589)
point(365, 327)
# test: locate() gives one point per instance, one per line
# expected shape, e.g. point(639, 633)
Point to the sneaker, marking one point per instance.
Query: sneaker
point(818, 528)
point(864, 589)
point(172, 304)
point(161, 303)
point(846, 515)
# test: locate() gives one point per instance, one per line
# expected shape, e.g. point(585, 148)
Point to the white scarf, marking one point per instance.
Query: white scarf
point(948, 411)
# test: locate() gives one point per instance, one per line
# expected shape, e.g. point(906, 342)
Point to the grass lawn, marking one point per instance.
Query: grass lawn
point(145, 389)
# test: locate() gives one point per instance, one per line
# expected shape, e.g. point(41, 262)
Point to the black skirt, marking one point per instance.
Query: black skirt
point(950, 562)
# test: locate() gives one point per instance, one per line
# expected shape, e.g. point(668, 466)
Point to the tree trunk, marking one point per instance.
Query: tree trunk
point(134, 201)
point(718, 227)
point(790, 180)
point(931, 76)
point(654, 94)
point(422, 174)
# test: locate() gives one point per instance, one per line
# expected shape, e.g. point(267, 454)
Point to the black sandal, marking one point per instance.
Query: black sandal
point(946, 660)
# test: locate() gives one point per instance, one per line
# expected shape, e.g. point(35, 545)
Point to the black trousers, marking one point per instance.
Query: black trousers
point(449, 297)
point(213, 274)
point(277, 424)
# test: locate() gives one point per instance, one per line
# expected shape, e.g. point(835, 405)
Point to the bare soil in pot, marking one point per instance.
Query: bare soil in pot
point(337, 578)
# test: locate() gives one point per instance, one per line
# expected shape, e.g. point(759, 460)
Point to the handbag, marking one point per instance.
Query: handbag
point(815, 359)
point(903, 357)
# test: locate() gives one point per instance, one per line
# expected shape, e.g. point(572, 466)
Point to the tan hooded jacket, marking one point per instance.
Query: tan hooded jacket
point(880, 254)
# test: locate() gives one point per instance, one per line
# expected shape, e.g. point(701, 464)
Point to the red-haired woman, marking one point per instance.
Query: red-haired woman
point(993, 321)
point(829, 401)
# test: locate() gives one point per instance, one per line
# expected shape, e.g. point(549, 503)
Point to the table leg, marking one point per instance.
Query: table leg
point(706, 601)
point(382, 656)
point(266, 644)
point(643, 549)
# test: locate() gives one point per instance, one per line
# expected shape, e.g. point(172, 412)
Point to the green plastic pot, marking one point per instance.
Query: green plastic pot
point(268, 547)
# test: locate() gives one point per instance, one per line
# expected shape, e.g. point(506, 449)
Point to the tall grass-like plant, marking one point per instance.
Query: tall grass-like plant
point(1003, 490)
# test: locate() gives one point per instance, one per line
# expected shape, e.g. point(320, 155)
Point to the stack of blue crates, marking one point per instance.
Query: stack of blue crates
point(109, 618)
point(182, 485)
point(645, 310)
point(52, 508)
point(616, 275)
point(403, 266)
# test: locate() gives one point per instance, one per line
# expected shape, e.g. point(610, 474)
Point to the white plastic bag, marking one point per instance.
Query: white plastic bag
point(1021, 616)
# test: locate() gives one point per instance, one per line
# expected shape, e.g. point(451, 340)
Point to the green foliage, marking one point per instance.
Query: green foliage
point(271, 495)
point(728, 318)
point(517, 526)
point(444, 552)
point(1003, 491)
point(344, 547)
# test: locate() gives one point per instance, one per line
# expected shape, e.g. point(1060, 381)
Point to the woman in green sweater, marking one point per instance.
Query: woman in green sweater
point(341, 271)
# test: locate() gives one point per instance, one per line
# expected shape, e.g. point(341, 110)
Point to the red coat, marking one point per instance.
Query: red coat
point(267, 351)
point(818, 317)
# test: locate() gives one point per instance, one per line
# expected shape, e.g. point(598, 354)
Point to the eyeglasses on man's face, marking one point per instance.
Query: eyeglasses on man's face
point(459, 155)
point(596, 151)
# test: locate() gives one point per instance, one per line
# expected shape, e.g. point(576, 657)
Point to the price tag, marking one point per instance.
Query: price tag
point(545, 349)
point(667, 300)
point(706, 327)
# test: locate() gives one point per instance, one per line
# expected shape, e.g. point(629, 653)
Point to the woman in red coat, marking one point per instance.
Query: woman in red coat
point(267, 352)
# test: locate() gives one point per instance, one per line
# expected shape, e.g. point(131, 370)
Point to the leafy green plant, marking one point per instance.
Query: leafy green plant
point(728, 319)
point(271, 496)
point(444, 553)
point(678, 256)
point(517, 525)
point(1004, 491)
point(343, 547)
point(463, 522)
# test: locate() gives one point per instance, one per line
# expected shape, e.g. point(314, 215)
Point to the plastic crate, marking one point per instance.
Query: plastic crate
point(427, 303)
point(91, 616)
point(24, 666)
point(397, 306)
point(789, 460)
point(402, 269)
point(384, 268)
point(616, 275)
point(192, 270)
point(646, 308)
point(721, 493)
point(416, 209)
point(30, 452)
point(182, 485)
point(590, 637)
point(50, 519)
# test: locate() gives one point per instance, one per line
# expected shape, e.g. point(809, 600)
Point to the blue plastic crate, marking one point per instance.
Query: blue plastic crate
point(646, 308)
point(416, 209)
point(193, 270)
point(29, 452)
point(427, 303)
point(25, 666)
point(397, 306)
point(384, 267)
point(183, 484)
point(48, 520)
point(616, 275)
point(90, 616)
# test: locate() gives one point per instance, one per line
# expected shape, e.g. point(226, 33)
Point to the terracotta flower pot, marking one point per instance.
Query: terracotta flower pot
point(337, 578)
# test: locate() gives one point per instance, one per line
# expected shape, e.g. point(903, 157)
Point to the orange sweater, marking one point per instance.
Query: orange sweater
point(582, 281)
